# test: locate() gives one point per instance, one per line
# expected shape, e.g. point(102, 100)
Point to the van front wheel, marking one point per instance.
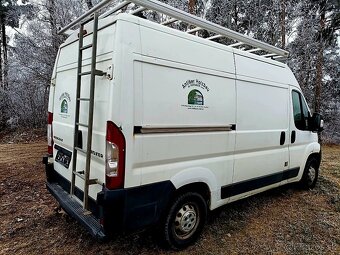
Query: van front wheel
point(310, 174)
point(185, 220)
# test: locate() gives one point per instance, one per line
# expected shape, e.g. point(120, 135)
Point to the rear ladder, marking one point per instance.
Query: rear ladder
point(85, 174)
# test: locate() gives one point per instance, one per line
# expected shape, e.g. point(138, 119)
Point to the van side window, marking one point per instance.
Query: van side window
point(300, 111)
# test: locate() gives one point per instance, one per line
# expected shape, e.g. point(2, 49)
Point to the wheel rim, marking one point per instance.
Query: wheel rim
point(311, 175)
point(186, 221)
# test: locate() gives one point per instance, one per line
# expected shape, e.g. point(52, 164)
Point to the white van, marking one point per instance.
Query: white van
point(150, 126)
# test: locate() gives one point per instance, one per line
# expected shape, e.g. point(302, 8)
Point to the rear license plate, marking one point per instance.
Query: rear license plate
point(63, 156)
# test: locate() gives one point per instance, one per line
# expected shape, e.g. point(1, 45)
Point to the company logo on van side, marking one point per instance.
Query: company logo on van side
point(64, 99)
point(195, 95)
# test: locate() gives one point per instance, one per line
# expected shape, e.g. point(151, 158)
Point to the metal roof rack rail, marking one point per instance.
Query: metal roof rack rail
point(197, 24)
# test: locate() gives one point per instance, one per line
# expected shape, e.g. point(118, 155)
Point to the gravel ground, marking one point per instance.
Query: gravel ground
point(286, 220)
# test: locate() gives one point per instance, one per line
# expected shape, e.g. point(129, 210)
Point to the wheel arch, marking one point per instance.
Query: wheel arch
point(198, 187)
point(200, 180)
point(316, 155)
point(312, 151)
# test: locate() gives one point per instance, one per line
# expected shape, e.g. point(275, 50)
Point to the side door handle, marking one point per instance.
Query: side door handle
point(293, 137)
point(282, 138)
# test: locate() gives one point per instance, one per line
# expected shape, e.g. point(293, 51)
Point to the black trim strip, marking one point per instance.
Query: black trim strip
point(256, 183)
point(159, 130)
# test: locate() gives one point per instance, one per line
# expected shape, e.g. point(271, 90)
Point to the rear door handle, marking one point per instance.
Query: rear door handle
point(293, 137)
point(282, 138)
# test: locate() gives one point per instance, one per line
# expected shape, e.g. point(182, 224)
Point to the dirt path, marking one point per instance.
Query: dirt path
point(282, 221)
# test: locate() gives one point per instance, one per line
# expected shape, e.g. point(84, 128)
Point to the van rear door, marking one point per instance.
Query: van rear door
point(65, 106)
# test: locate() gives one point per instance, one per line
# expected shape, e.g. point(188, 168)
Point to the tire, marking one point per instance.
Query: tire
point(185, 220)
point(310, 174)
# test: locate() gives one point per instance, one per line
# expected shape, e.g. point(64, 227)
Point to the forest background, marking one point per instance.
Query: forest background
point(308, 29)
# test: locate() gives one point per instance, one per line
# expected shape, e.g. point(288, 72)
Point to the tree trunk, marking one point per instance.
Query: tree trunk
point(53, 26)
point(236, 17)
point(192, 6)
point(2, 84)
point(4, 54)
point(89, 4)
point(283, 23)
point(55, 41)
point(320, 62)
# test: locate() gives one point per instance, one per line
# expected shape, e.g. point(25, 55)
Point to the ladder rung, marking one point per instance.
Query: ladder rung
point(81, 150)
point(236, 44)
point(93, 181)
point(83, 99)
point(254, 50)
point(82, 125)
point(139, 10)
point(168, 22)
point(215, 37)
point(86, 47)
point(196, 29)
point(97, 72)
point(269, 55)
point(81, 175)
point(84, 73)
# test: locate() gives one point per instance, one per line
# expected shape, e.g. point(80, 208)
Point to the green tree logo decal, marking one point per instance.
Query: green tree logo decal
point(195, 97)
point(64, 106)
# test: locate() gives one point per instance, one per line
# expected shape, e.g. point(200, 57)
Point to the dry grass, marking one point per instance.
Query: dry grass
point(283, 221)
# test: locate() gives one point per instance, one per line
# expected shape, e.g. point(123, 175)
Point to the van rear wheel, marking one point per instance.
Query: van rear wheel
point(310, 174)
point(185, 220)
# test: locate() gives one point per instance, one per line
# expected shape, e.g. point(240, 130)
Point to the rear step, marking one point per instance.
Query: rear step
point(76, 210)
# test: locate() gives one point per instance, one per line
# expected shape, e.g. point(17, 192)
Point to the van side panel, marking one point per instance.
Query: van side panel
point(183, 93)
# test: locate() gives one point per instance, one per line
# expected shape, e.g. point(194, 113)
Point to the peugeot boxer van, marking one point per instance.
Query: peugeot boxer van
point(152, 127)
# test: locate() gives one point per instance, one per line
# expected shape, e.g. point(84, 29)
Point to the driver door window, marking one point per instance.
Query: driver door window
point(300, 111)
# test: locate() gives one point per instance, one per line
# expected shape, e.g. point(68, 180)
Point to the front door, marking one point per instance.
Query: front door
point(300, 137)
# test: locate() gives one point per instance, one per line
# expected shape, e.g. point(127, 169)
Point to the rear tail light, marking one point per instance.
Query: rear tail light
point(115, 157)
point(49, 133)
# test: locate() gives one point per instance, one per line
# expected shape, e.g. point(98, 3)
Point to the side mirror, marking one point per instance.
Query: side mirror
point(316, 123)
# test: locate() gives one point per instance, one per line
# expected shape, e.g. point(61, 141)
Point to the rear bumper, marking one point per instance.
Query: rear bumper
point(123, 210)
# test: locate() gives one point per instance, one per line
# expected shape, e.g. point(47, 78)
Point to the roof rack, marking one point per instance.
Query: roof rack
point(175, 15)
